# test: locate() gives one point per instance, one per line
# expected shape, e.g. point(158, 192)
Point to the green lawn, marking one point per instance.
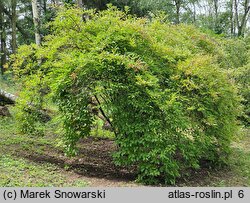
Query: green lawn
point(20, 165)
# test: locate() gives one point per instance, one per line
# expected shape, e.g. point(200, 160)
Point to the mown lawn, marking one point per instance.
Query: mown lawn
point(27, 160)
point(19, 168)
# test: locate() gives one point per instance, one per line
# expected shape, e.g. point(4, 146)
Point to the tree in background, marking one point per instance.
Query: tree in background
point(3, 37)
point(242, 10)
point(13, 25)
point(36, 20)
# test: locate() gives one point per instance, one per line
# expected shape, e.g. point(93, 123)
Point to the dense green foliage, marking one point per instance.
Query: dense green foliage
point(163, 87)
point(236, 60)
point(242, 76)
point(18, 27)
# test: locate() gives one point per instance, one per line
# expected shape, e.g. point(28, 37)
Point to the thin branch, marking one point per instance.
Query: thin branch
point(103, 113)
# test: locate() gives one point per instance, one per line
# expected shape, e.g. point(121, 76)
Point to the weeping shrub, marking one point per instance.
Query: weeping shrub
point(160, 86)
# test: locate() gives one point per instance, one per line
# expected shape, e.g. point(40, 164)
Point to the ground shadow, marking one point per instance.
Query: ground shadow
point(94, 160)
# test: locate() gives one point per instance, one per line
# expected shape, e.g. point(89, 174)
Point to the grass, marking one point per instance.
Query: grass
point(19, 168)
point(240, 161)
point(20, 172)
point(31, 161)
point(7, 84)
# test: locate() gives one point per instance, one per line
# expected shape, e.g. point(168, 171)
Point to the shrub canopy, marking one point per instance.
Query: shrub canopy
point(162, 87)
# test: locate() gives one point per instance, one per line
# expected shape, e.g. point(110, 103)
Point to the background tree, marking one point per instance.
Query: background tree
point(36, 20)
point(2, 37)
point(13, 25)
point(242, 10)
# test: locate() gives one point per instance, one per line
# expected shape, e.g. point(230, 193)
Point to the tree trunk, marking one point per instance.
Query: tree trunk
point(216, 8)
point(2, 40)
point(45, 6)
point(20, 29)
point(194, 12)
point(242, 25)
point(177, 7)
point(236, 14)
point(13, 26)
point(56, 2)
point(231, 17)
point(80, 4)
point(36, 20)
point(216, 24)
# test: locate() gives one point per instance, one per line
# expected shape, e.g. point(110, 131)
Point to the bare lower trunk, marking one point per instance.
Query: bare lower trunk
point(36, 20)
point(177, 7)
point(231, 17)
point(2, 40)
point(194, 13)
point(13, 26)
point(244, 18)
point(80, 3)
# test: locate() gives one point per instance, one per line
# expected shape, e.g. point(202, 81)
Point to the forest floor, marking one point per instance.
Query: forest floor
point(27, 160)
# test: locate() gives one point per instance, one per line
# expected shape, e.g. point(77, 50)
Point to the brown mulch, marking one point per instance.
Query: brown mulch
point(94, 163)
